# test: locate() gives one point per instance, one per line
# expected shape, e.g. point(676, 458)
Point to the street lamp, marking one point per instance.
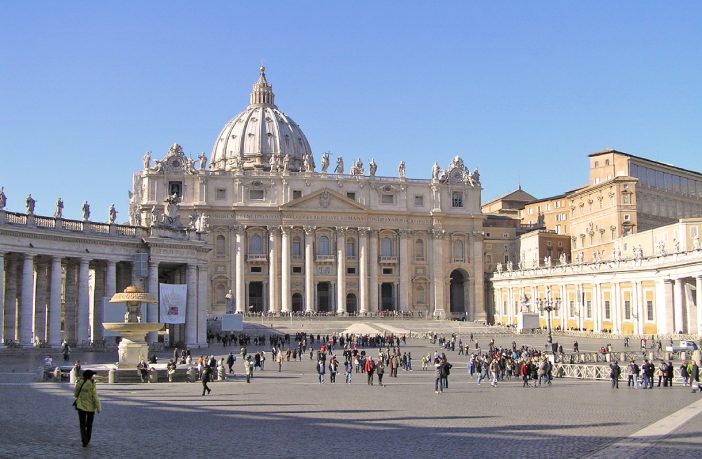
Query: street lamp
point(548, 304)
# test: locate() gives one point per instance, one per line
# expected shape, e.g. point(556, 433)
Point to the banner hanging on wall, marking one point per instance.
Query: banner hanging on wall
point(172, 302)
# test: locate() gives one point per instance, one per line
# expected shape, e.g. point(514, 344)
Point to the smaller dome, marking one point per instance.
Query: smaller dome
point(259, 135)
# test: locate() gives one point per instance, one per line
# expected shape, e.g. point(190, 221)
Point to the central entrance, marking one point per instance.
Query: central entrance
point(297, 302)
point(387, 296)
point(324, 297)
point(255, 297)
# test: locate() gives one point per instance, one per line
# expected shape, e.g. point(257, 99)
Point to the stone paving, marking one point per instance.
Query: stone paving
point(288, 414)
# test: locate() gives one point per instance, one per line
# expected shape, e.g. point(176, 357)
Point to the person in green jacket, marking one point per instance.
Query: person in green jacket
point(87, 403)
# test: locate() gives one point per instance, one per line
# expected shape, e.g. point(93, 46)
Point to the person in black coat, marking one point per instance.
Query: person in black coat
point(206, 377)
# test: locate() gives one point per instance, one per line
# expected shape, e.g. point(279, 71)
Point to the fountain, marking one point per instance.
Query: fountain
point(133, 347)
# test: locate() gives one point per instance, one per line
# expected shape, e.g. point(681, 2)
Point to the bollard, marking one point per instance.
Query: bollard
point(111, 376)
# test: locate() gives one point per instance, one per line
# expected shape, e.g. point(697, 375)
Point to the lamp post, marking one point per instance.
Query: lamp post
point(548, 304)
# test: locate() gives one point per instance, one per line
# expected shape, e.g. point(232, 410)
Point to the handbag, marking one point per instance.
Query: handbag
point(75, 402)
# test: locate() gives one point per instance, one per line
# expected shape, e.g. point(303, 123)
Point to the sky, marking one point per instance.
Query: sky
point(522, 91)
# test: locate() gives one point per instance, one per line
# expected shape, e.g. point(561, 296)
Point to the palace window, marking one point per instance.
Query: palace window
point(649, 310)
point(588, 309)
point(457, 199)
point(220, 194)
point(297, 194)
point(419, 200)
point(607, 310)
point(175, 188)
point(458, 250)
point(351, 195)
point(387, 199)
point(324, 247)
point(572, 308)
point(627, 310)
point(626, 198)
point(421, 295)
point(256, 195)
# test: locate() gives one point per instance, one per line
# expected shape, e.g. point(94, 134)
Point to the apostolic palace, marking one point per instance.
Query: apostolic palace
point(266, 226)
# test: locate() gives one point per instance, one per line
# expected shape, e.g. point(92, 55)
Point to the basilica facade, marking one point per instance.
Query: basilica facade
point(288, 236)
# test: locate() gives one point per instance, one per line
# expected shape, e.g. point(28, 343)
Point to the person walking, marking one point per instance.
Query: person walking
point(348, 371)
point(333, 369)
point(206, 377)
point(438, 379)
point(380, 370)
point(321, 370)
point(87, 403)
point(614, 373)
point(230, 362)
point(248, 368)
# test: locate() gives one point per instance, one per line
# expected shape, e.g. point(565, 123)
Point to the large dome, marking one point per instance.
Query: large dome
point(258, 134)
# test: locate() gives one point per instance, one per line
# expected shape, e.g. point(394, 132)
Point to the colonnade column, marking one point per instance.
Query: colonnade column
point(83, 330)
point(637, 306)
point(202, 302)
point(285, 292)
point(363, 269)
point(71, 301)
point(437, 270)
point(27, 301)
point(40, 300)
point(191, 307)
point(341, 270)
point(240, 286)
point(405, 283)
point(110, 289)
point(54, 338)
point(2, 299)
point(152, 309)
point(678, 319)
point(309, 269)
point(698, 303)
point(373, 281)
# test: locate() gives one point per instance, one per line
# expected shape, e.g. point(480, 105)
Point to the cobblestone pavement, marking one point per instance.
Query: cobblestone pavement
point(288, 414)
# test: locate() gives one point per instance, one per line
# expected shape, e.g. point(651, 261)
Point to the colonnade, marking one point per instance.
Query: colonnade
point(48, 298)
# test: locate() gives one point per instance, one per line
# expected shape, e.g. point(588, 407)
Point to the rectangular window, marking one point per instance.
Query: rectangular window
point(255, 269)
point(350, 270)
point(256, 195)
point(572, 308)
point(388, 199)
point(297, 194)
point(297, 269)
point(626, 198)
point(607, 310)
point(457, 199)
point(649, 310)
point(627, 310)
point(296, 248)
point(387, 270)
point(588, 309)
point(351, 195)
point(220, 194)
point(419, 200)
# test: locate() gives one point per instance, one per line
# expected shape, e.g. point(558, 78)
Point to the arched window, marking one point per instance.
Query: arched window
point(220, 294)
point(256, 245)
point(419, 250)
point(324, 248)
point(386, 247)
point(350, 248)
point(296, 247)
point(458, 250)
point(219, 246)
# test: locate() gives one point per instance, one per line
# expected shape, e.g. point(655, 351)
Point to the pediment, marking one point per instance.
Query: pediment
point(325, 200)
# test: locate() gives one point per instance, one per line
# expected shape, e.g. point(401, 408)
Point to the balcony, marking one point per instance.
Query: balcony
point(325, 258)
point(387, 259)
point(257, 258)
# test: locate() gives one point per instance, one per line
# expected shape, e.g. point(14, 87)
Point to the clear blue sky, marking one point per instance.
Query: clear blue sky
point(521, 90)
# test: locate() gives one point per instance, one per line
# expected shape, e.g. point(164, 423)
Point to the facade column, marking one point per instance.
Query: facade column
point(152, 309)
point(373, 281)
point(341, 270)
point(664, 310)
point(110, 289)
point(202, 302)
point(616, 308)
point(96, 296)
point(437, 273)
point(678, 299)
point(40, 300)
point(309, 269)
point(55, 303)
point(240, 268)
point(285, 292)
point(596, 307)
point(636, 307)
point(405, 282)
point(273, 269)
point(71, 300)
point(698, 303)
point(363, 269)
point(83, 328)
point(191, 308)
